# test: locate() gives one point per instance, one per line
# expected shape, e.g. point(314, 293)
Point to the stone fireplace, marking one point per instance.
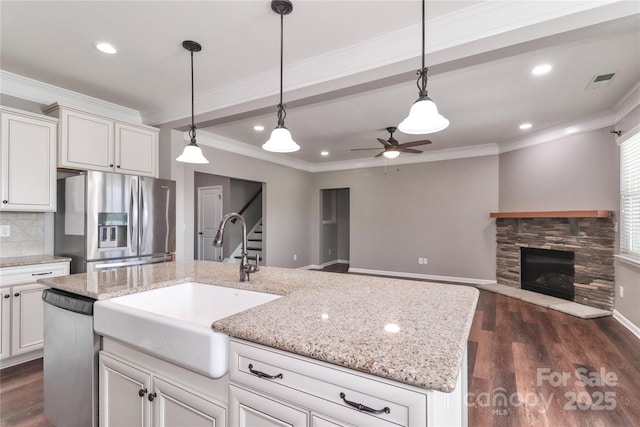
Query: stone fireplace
point(586, 236)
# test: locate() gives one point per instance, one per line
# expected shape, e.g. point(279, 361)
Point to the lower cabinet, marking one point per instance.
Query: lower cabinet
point(273, 388)
point(134, 396)
point(22, 311)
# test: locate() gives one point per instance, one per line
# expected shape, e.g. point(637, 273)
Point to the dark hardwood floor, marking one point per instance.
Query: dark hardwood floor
point(528, 366)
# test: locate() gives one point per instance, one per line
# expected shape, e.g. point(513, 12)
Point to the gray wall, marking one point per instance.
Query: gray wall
point(627, 274)
point(287, 212)
point(579, 172)
point(437, 210)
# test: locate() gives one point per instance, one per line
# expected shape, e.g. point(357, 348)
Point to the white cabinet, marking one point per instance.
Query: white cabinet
point(91, 142)
point(28, 161)
point(327, 394)
point(131, 395)
point(21, 334)
point(251, 409)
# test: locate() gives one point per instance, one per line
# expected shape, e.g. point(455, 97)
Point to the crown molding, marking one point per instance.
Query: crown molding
point(560, 131)
point(47, 94)
point(627, 104)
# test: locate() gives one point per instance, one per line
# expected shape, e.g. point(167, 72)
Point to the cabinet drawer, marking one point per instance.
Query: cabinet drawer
point(29, 274)
point(321, 387)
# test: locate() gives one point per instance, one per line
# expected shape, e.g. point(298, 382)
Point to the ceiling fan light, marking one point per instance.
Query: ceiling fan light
point(423, 118)
point(391, 154)
point(280, 141)
point(192, 153)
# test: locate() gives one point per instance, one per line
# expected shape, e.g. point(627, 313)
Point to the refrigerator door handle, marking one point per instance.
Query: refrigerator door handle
point(133, 218)
point(145, 215)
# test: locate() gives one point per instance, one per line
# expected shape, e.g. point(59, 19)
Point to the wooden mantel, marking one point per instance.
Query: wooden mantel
point(552, 214)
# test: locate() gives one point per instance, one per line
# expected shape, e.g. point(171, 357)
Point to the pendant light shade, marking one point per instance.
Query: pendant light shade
point(423, 116)
point(192, 152)
point(281, 140)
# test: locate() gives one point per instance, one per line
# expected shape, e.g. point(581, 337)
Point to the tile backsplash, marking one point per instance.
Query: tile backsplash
point(27, 234)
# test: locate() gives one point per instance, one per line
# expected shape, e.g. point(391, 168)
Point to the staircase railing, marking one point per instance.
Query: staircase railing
point(246, 205)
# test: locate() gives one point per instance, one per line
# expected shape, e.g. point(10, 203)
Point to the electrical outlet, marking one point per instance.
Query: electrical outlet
point(295, 257)
point(329, 251)
point(424, 260)
point(621, 291)
point(5, 231)
point(420, 261)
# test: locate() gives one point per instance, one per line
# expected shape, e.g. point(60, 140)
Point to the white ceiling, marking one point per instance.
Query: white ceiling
point(349, 65)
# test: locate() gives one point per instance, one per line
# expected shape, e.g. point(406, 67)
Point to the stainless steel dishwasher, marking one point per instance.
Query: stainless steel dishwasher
point(70, 360)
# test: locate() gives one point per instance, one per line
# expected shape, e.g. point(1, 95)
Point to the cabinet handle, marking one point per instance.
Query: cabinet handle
point(17, 294)
point(361, 407)
point(152, 396)
point(142, 392)
point(42, 274)
point(5, 201)
point(7, 296)
point(263, 375)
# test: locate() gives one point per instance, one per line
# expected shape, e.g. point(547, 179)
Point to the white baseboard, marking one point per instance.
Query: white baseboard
point(635, 330)
point(323, 265)
point(401, 275)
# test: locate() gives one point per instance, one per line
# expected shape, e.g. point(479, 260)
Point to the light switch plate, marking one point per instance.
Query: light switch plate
point(5, 231)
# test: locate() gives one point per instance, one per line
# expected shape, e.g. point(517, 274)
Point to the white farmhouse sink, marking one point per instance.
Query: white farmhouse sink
point(174, 323)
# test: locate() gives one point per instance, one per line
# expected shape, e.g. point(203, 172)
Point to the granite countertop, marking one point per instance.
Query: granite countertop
point(336, 318)
point(20, 261)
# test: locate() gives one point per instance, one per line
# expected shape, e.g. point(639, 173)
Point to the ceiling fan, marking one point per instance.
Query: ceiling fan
point(392, 148)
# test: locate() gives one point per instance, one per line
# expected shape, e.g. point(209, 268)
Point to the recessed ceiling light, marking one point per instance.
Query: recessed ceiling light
point(541, 69)
point(106, 48)
point(525, 126)
point(324, 153)
point(258, 128)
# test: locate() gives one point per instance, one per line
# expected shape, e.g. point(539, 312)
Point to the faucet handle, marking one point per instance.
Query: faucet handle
point(256, 267)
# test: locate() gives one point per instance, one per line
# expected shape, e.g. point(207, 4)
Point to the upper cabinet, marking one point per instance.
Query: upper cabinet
point(28, 161)
point(91, 142)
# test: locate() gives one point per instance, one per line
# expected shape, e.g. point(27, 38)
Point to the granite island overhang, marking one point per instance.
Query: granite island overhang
point(406, 331)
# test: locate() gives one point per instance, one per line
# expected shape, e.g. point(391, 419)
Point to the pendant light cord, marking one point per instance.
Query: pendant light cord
point(192, 131)
point(281, 107)
point(422, 73)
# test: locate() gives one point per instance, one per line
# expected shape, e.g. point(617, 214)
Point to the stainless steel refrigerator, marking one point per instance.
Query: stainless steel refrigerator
point(108, 220)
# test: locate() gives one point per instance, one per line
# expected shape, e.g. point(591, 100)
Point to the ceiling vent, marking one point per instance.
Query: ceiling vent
point(599, 81)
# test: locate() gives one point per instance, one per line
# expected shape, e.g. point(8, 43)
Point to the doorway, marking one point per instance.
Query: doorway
point(209, 217)
point(334, 226)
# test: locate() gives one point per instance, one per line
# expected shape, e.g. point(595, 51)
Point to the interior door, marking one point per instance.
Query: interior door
point(209, 217)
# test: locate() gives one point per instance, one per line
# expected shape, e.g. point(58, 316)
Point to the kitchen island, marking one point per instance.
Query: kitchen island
point(407, 332)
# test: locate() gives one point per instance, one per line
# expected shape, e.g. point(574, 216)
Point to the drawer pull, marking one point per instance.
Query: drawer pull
point(263, 375)
point(361, 407)
point(42, 274)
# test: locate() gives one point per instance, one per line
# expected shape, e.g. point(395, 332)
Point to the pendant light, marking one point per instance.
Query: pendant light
point(192, 152)
point(423, 116)
point(281, 140)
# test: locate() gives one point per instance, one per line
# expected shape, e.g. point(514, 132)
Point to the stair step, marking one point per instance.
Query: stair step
point(254, 240)
point(250, 258)
point(254, 249)
point(258, 232)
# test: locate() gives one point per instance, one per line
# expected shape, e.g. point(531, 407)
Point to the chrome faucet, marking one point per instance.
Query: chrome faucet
point(245, 267)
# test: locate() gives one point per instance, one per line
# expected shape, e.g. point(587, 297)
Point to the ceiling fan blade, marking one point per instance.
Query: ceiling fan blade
point(415, 143)
point(409, 150)
point(380, 154)
point(362, 149)
point(383, 142)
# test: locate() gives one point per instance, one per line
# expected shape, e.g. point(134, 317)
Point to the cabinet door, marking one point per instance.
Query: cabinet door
point(27, 323)
point(323, 421)
point(174, 406)
point(86, 141)
point(251, 409)
point(28, 163)
point(124, 394)
point(5, 322)
point(136, 150)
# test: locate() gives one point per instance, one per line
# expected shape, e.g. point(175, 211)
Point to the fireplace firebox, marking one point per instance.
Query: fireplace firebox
point(548, 272)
